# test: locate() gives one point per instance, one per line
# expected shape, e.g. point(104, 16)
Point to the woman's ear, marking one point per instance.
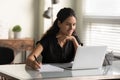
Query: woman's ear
point(59, 23)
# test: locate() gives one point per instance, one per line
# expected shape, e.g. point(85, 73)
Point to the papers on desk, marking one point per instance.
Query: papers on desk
point(50, 68)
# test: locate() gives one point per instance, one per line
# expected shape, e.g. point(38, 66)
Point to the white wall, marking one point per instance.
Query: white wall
point(13, 12)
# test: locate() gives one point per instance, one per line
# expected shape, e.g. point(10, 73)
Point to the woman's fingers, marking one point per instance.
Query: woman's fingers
point(36, 65)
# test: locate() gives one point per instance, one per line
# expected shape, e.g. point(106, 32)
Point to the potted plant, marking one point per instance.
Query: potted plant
point(17, 31)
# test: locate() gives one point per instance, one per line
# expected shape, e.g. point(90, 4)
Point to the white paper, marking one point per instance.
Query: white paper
point(50, 68)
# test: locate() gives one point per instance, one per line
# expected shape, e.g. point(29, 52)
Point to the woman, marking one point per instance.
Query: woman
point(59, 43)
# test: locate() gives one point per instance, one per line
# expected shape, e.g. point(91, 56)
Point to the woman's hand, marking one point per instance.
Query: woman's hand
point(64, 38)
point(31, 59)
point(33, 64)
point(36, 65)
point(71, 38)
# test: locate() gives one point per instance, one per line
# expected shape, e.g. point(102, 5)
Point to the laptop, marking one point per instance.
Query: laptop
point(87, 57)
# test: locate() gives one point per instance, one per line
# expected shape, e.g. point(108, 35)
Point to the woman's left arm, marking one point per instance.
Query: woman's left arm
point(75, 42)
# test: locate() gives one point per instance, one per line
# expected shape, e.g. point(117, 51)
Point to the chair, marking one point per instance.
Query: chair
point(6, 55)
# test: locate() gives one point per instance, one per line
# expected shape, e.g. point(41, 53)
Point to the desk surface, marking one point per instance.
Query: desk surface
point(19, 71)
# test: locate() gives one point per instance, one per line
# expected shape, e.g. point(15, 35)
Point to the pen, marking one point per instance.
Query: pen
point(36, 59)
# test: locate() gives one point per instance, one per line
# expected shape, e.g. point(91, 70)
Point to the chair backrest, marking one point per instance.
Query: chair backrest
point(6, 55)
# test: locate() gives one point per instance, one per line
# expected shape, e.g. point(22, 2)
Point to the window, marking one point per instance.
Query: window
point(102, 7)
point(102, 23)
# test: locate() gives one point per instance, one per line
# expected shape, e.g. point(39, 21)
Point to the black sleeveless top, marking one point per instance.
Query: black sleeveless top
point(54, 53)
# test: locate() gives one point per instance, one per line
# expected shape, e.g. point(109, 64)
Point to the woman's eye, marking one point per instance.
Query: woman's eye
point(74, 24)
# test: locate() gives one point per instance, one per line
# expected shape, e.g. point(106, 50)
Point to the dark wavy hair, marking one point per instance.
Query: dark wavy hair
point(62, 15)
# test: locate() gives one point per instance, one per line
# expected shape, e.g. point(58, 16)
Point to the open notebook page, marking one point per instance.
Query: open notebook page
point(50, 68)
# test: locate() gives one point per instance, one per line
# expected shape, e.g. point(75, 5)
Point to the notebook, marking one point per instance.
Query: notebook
point(88, 57)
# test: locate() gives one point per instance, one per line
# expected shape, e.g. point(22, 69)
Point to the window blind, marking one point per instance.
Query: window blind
point(102, 23)
point(103, 34)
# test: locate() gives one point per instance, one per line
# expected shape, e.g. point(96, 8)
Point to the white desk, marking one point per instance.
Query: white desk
point(19, 71)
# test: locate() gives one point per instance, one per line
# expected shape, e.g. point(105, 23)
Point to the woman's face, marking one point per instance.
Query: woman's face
point(68, 26)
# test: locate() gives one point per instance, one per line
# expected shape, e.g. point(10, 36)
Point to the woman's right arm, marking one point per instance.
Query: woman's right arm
point(31, 59)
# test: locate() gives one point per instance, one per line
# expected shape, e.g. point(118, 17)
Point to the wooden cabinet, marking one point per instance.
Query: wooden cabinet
point(18, 45)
